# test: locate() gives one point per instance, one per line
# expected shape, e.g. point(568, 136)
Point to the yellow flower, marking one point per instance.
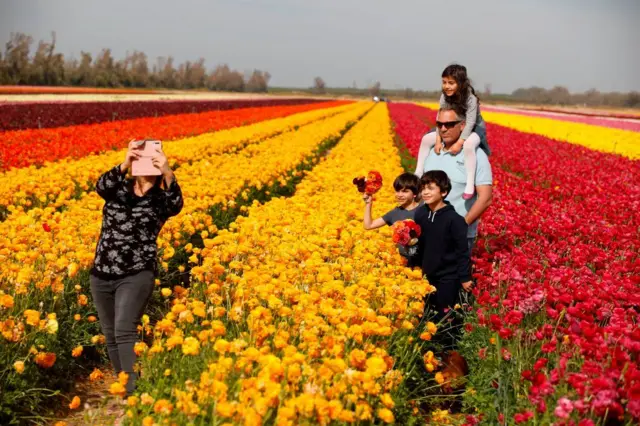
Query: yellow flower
point(386, 415)
point(225, 409)
point(439, 378)
point(52, 326)
point(72, 270)
point(117, 389)
point(376, 366)
point(221, 346)
point(191, 346)
point(387, 400)
point(431, 327)
point(123, 378)
point(146, 399)
point(173, 341)
point(166, 292)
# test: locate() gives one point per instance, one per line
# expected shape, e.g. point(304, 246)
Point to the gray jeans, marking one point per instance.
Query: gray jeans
point(120, 304)
point(471, 242)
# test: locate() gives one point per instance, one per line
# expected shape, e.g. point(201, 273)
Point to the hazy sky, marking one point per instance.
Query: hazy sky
point(403, 43)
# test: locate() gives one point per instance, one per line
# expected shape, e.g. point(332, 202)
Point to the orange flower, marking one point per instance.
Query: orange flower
point(45, 359)
point(6, 301)
point(19, 366)
point(425, 335)
point(82, 300)
point(95, 375)
point(33, 317)
point(75, 403)
point(77, 351)
point(163, 406)
point(139, 348)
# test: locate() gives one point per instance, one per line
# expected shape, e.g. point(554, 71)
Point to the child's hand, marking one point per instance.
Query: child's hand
point(367, 198)
point(456, 147)
point(438, 147)
point(468, 286)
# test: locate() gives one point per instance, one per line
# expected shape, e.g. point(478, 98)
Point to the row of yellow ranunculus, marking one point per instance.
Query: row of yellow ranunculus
point(598, 138)
point(56, 183)
point(292, 310)
point(43, 246)
point(46, 315)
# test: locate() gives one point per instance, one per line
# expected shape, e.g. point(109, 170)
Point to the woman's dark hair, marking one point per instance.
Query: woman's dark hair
point(459, 74)
point(438, 177)
point(407, 181)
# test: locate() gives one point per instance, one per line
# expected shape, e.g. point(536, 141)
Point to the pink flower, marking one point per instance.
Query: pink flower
point(564, 408)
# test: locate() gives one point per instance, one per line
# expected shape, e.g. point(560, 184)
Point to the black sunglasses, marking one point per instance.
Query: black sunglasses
point(447, 124)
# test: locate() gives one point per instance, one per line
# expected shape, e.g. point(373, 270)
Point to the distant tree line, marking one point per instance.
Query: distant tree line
point(534, 95)
point(561, 96)
point(46, 67)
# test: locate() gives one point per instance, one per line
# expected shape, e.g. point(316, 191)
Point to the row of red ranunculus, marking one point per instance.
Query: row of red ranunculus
point(37, 115)
point(68, 90)
point(22, 148)
point(558, 273)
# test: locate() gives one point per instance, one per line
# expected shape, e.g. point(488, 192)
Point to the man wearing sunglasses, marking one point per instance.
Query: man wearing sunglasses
point(450, 123)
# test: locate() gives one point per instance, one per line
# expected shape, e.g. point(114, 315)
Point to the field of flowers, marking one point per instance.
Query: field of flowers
point(275, 306)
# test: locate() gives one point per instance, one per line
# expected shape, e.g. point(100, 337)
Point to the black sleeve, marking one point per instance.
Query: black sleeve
point(172, 198)
point(419, 220)
point(459, 233)
point(388, 217)
point(109, 183)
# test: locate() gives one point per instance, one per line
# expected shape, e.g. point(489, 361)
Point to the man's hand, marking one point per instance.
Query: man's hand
point(367, 198)
point(468, 286)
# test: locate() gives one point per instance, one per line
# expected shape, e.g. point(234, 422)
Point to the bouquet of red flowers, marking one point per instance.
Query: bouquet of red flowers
point(370, 184)
point(406, 232)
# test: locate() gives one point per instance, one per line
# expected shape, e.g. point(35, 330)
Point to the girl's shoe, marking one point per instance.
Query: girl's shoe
point(467, 196)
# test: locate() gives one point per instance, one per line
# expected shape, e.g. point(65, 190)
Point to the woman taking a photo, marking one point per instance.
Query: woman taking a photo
point(125, 266)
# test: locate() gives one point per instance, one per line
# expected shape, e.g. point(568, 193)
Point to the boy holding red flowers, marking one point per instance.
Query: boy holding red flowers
point(442, 246)
point(407, 187)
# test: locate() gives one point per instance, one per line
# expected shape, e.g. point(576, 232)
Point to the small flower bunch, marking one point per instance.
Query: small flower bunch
point(406, 232)
point(370, 184)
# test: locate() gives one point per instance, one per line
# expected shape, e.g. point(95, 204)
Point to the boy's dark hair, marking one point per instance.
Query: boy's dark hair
point(459, 74)
point(438, 177)
point(407, 181)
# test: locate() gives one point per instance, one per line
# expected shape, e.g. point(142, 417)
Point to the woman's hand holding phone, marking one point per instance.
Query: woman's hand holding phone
point(160, 162)
point(131, 155)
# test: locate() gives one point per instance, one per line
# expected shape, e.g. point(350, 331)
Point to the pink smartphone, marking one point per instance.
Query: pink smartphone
point(144, 166)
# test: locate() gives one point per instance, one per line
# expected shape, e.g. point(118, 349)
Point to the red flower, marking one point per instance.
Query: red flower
point(406, 232)
point(46, 227)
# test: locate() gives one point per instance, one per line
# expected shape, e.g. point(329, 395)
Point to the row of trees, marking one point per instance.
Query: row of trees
point(46, 67)
point(561, 96)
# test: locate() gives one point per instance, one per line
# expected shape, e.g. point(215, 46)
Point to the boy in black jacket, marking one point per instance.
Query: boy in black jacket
point(443, 245)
